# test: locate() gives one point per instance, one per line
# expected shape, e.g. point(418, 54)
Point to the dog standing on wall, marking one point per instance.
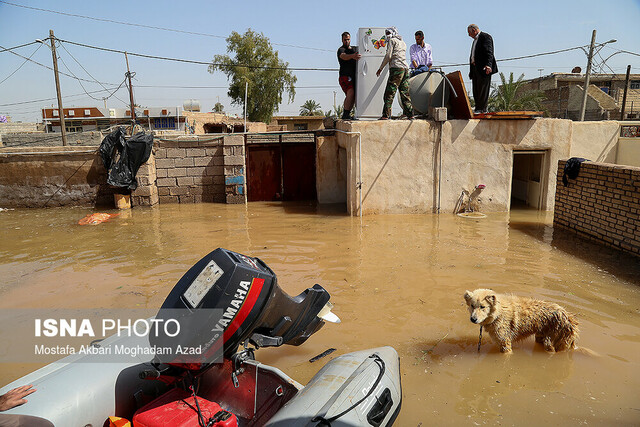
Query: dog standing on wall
point(509, 318)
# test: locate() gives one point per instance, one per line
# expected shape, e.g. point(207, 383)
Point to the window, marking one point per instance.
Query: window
point(71, 113)
point(87, 112)
point(635, 84)
point(299, 126)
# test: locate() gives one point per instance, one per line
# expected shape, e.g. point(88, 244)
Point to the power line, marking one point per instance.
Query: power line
point(47, 99)
point(191, 61)
point(47, 67)
point(24, 62)
point(89, 74)
point(112, 21)
point(516, 58)
point(16, 47)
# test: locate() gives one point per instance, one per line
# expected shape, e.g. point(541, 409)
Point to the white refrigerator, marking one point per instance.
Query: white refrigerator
point(370, 88)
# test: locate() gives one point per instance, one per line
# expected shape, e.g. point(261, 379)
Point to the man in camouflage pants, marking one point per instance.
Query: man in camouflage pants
point(398, 75)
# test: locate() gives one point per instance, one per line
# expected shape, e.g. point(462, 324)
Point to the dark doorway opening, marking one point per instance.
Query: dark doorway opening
point(527, 183)
point(283, 171)
point(215, 128)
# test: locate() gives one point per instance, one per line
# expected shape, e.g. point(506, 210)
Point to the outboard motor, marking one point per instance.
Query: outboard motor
point(227, 299)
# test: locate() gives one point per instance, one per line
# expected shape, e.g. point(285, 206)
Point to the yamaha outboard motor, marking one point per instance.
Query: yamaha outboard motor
point(227, 299)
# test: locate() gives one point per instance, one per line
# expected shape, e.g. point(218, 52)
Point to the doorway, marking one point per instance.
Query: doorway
point(527, 183)
point(281, 167)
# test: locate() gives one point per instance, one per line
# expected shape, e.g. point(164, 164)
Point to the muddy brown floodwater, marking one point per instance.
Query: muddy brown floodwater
point(395, 280)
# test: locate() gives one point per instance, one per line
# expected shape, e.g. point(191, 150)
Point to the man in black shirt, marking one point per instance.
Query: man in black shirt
point(347, 57)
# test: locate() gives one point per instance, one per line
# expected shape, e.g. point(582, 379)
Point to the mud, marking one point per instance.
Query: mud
point(395, 280)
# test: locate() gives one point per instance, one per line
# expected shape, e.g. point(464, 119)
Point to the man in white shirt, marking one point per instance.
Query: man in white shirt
point(420, 53)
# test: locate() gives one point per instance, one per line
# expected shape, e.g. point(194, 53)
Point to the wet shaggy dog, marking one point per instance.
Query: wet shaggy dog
point(509, 318)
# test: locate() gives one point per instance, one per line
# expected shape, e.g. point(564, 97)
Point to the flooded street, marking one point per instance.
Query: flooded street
point(395, 280)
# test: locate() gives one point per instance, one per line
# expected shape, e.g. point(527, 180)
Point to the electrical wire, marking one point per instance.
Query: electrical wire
point(17, 47)
point(24, 62)
point(517, 58)
point(191, 61)
point(112, 21)
point(47, 67)
point(47, 99)
point(89, 74)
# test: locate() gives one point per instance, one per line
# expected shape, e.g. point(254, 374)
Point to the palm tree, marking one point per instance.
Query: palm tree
point(311, 108)
point(509, 96)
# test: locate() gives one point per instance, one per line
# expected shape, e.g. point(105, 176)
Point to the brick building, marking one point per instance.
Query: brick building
point(564, 92)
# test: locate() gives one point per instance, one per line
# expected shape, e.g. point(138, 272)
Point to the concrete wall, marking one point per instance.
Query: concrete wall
point(331, 170)
point(401, 171)
point(17, 127)
point(182, 171)
point(57, 176)
point(290, 122)
point(595, 141)
point(42, 139)
point(601, 204)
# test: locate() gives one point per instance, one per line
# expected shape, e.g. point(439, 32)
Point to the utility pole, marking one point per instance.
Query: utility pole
point(586, 78)
point(626, 88)
point(133, 110)
point(246, 89)
point(63, 129)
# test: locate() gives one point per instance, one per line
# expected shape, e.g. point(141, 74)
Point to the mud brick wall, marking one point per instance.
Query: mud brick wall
point(200, 170)
point(601, 204)
point(147, 192)
point(189, 171)
point(234, 167)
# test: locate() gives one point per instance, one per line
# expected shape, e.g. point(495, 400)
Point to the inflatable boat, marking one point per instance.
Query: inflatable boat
point(230, 305)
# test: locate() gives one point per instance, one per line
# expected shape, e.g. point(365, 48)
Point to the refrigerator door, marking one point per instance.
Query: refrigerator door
point(372, 41)
point(369, 87)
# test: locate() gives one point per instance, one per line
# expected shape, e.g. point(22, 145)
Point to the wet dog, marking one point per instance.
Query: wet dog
point(509, 318)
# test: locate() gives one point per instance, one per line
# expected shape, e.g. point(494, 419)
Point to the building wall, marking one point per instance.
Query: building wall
point(43, 139)
point(601, 204)
point(595, 141)
point(201, 169)
point(201, 119)
point(178, 171)
point(331, 170)
point(291, 122)
point(57, 176)
point(17, 127)
point(401, 171)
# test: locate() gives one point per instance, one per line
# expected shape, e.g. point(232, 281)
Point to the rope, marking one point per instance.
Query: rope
point(480, 339)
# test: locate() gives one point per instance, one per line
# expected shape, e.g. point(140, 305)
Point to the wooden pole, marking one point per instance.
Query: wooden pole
point(63, 129)
point(133, 110)
point(626, 88)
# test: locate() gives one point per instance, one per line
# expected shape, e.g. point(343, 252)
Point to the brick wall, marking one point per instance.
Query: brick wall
point(601, 204)
point(199, 170)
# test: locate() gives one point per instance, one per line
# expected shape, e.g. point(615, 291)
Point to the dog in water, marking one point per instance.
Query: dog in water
point(509, 318)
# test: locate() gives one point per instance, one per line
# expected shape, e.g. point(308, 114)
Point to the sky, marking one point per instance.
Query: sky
point(305, 34)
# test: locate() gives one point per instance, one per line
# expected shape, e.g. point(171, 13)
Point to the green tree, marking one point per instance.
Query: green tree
point(509, 96)
point(255, 62)
point(218, 108)
point(311, 108)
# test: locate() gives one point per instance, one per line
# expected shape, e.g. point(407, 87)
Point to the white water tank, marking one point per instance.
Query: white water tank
point(191, 105)
point(425, 90)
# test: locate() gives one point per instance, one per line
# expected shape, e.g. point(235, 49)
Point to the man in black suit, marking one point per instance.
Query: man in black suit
point(482, 66)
